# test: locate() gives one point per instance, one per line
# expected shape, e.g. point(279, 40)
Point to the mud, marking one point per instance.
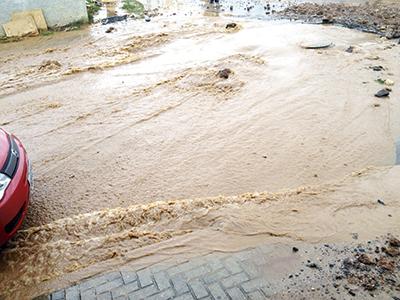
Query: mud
point(378, 17)
point(117, 124)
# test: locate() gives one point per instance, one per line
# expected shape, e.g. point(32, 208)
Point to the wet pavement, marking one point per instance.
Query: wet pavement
point(269, 271)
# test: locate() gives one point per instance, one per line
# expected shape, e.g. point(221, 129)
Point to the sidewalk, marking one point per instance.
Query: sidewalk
point(266, 272)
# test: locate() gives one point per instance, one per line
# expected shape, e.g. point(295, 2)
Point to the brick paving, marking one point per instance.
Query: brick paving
point(215, 276)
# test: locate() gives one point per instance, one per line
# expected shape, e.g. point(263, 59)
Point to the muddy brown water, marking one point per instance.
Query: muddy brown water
point(115, 122)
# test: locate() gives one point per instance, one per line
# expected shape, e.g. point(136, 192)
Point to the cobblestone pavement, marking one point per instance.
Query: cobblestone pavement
point(215, 276)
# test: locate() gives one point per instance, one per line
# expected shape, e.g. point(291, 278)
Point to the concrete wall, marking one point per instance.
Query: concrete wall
point(56, 12)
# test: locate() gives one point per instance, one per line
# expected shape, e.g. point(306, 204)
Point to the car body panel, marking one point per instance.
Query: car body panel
point(14, 205)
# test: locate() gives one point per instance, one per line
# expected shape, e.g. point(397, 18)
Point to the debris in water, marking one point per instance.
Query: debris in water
point(295, 249)
point(49, 65)
point(380, 202)
point(147, 18)
point(114, 19)
point(350, 49)
point(377, 68)
point(316, 45)
point(383, 93)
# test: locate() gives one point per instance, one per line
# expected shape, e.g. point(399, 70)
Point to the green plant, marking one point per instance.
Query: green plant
point(92, 9)
point(133, 6)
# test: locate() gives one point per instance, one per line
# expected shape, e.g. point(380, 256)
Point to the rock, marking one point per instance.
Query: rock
point(377, 68)
point(231, 8)
point(365, 259)
point(110, 29)
point(380, 94)
point(391, 251)
point(313, 265)
point(394, 242)
point(389, 82)
point(379, 200)
point(295, 249)
point(224, 73)
point(231, 26)
point(350, 49)
point(386, 264)
point(147, 18)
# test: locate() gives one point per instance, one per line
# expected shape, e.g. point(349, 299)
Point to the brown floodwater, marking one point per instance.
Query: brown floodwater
point(118, 125)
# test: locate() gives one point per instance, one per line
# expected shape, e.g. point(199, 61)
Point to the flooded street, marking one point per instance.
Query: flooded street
point(123, 127)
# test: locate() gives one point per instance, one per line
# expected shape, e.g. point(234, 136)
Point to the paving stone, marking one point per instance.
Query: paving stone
point(250, 268)
point(128, 276)
point(196, 272)
point(162, 280)
point(88, 294)
point(217, 292)
point(72, 293)
point(108, 286)
point(198, 288)
point(216, 276)
point(58, 295)
point(256, 295)
point(145, 277)
point(184, 297)
point(234, 280)
point(244, 255)
point(164, 295)
point(232, 265)
point(144, 293)
point(236, 293)
point(214, 264)
point(254, 284)
point(93, 282)
point(111, 276)
point(179, 284)
point(125, 289)
point(104, 296)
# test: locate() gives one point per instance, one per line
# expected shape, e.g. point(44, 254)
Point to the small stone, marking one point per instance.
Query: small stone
point(365, 259)
point(380, 202)
point(377, 68)
point(110, 29)
point(313, 265)
point(295, 249)
point(224, 73)
point(231, 26)
point(350, 49)
point(394, 242)
point(147, 18)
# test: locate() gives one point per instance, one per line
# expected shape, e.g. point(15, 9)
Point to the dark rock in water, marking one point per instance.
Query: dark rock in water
point(111, 29)
point(295, 249)
point(224, 73)
point(350, 49)
point(147, 18)
point(380, 94)
point(231, 26)
point(114, 19)
point(380, 202)
point(327, 20)
point(377, 68)
point(231, 8)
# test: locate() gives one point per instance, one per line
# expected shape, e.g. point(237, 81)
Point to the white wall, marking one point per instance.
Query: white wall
point(56, 12)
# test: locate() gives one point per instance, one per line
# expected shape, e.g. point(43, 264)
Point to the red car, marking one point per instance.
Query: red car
point(15, 185)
